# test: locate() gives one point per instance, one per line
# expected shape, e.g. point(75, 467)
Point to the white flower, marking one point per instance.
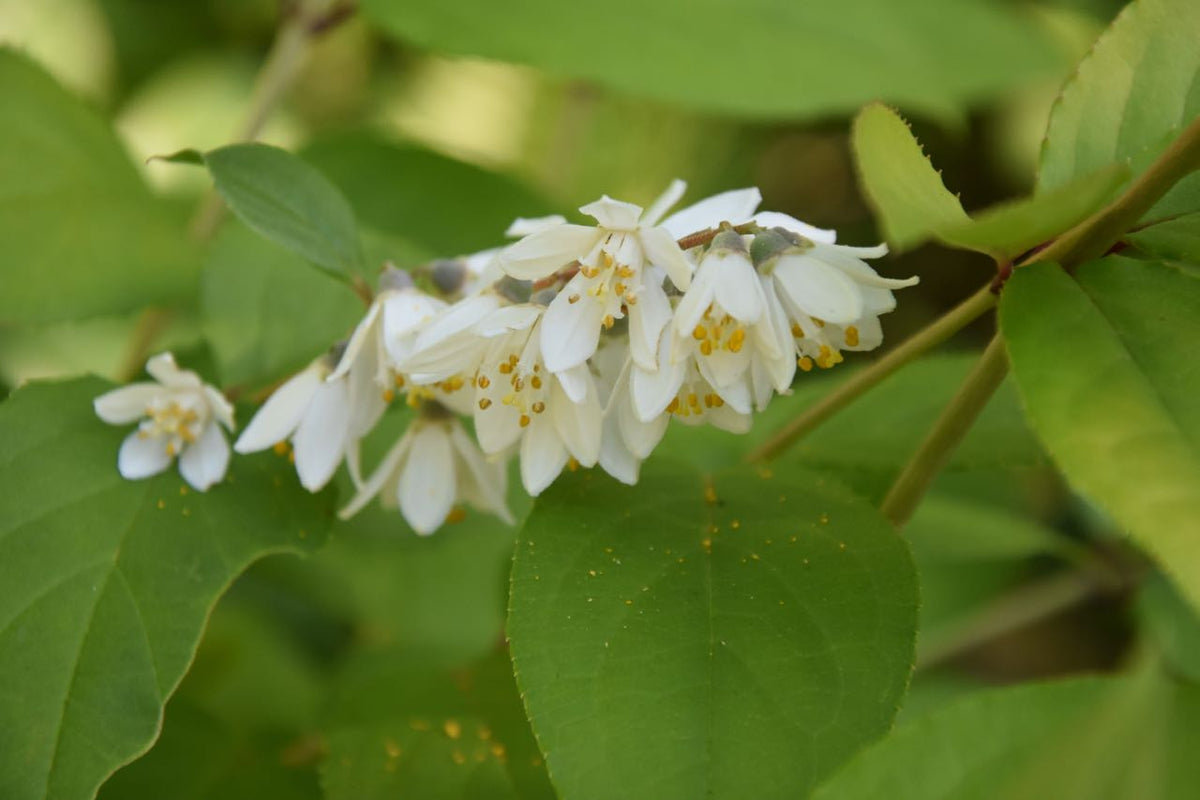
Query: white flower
point(183, 416)
point(315, 414)
point(613, 278)
point(432, 466)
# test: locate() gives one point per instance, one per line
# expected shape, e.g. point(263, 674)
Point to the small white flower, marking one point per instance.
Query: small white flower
point(315, 414)
point(433, 466)
point(183, 417)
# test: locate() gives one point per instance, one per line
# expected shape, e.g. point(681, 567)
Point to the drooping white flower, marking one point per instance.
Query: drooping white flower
point(315, 414)
point(613, 278)
point(183, 417)
point(433, 466)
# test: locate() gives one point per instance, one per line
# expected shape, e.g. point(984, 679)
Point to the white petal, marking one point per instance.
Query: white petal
point(571, 331)
point(577, 424)
point(726, 419)
point(736, 393)
point(365, 398)
point(363, 335)
point(543, 253)
point(204, 461)
point(575, 382)
point(696, 299)
point(508, 319)
point(320, 439)
point(383, 474)
point(523, 226)
point(663, 251)
point(543, 455)
point(497, 428)
point(427, 482)
point(615, 215)
point(736, 206)
point(141, 457)
point(862, 272)
point(874, 251)
point(653, 391)
point(163, 369)
point(126, 404)
point(281, 414)
point(737, 286)
point(640, 438)
point(663, 204)
point(818, 289)
point(615, 458)
point(647, 319)
point(481, 482)
point(219, 405)
point(773, 219)
point(723, 367)
point(870, 334)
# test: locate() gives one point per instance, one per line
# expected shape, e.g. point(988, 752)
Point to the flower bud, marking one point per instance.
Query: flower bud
point(514, 290)
point(394, 279)
point(448, 274)
point(775, 242)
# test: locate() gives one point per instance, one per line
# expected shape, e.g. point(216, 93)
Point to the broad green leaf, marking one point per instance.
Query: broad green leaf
point(404, 725)
point(962, 530)
point(733, 638)
point(914, 205)
point(445, 206)
point(70, 202)
point(264, 315)
point(1175, 239)
point(1174, 625)
point(108, 584)
point(903, 186)
point(1108, 375)
point(755, 58)
point(289, 202)
point(1128, 99)
point(1091, 739)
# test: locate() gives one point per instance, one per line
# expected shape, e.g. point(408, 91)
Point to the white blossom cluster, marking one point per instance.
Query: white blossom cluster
point(573, 346)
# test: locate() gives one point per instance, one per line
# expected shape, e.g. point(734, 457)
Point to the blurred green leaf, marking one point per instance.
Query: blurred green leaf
point(286, 200)
point(263, 314)
point(755, 59)
point(445, 206)
point(1092, 739)
point(406, 725)
point(1175, 239)
point(964, 530)
point(69, 201)
point(738, 640)
point(1128, 99)
point(914, 205)
point(1173, 624)
point(1109, 379)
point(108, 584)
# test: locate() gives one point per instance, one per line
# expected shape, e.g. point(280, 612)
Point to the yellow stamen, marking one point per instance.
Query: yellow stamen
point(852, 336)
point(484, 403)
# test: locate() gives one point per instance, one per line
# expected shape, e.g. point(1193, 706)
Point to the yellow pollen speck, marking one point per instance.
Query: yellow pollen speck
point(524, 420)
point(452, 728)
point(498, 751)
point(391, 748)
point(280, 448)
point(484, 403)
point(710, 495)
point(456, 515)
point(388, 396)
point(707, 545)
point(399, 381)
point(573, 298)
point(459, 757)
point(162, 504)
point(852, 336)
point(418, 725)
point(820, 322)
point(628, 602)
point(572, 464)
point(735, 524)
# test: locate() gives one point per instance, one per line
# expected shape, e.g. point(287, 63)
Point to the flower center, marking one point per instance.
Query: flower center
point(719, 331)
point(177, 423)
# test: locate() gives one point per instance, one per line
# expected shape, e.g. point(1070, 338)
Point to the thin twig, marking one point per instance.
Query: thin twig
point(151, 323)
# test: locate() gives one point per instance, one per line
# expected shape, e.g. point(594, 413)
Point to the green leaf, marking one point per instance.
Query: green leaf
point(445, 206)
point(1173, 624)
point(289, 202)
point(69, 201)
point(108, 584)
point(914, 205)
point(757, 58)
point(735, 640)
point(904, 188)
point(1108, 376)
point(1175, 239)
point(1091, 739)
point(1128, 99)
point(407, 726)
point(963, 530)
point(263, 315)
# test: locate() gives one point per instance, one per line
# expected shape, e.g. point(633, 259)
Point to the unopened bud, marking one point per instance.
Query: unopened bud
point(333, 356)
point(728, 240)
point(514, 290)
point(393, 279)
point(543, 297)
point(448, 274)
point(772, 243)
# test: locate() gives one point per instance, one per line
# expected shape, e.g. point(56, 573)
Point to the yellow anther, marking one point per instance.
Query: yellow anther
point(539, 407)
point(536, 382)
point(820, 322)
point(518, 383)
point(171, 448)
point(631, 299)
point(505, 367)
point(484, 403)
point(699, 333)
point(524, 420)
point(509, 399)
point(805, 363)
point(693, 400)
point(484, 381)
point(706, 347)
point(399, 381)
point(619, 288)
point(572, 464)
point(852, 336)
point(673, 406)
point(714, 333)
point(280, 448)
point(456, 515)
point(797, 331)
point(512, 359)
point(609, 321)
point(625, 272)
point(573, 298)
point(717, 401)
point(388, 395)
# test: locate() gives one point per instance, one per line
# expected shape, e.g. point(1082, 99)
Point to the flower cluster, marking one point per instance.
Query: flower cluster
point(574, 346)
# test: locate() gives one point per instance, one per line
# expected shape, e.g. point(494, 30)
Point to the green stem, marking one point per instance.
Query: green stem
point(151, 323)
point(949, 429)
point(288, 54)
point(915, 346)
